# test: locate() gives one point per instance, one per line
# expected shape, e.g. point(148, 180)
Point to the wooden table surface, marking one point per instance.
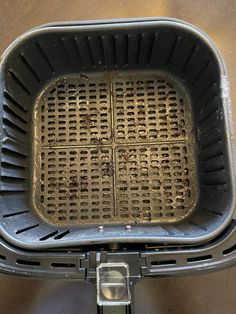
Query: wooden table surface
point(212, 293)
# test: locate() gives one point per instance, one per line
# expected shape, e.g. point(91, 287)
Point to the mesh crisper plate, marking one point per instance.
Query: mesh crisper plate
point(114, 149)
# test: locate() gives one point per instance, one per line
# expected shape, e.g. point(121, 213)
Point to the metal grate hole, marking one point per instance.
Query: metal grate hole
point(114, 150)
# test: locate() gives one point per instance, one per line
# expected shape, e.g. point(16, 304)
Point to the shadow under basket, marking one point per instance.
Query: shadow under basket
point(115, 132)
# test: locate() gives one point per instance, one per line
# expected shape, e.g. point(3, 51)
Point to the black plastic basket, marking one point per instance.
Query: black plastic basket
point(157, 171)
point(115, 134)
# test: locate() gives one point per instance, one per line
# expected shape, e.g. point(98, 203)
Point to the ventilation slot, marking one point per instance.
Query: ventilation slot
point(62, 235)
point(27, 263)
point(15, 113)
point(77, 52)
point(12, 158)
point(11, 99)
point(19, 82)
point(211, 212)
point(65, 50)
point(230, 250)
point(165, 262)
point(14, 148)
point(188, 60)
point(199, 258)
point(63, 265)
point(14, 125)
point(2, 257)
point(45, 57)
point(29, 67)
point(201, 73)
point(27, 229)
point(15, 214)
point(172, 50)
point(214, 170)
point(48, 236)
point(10, 180)
point(12, 167)
point(12, 171)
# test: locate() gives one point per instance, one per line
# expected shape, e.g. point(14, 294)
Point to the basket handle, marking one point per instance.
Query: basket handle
point(125, 309)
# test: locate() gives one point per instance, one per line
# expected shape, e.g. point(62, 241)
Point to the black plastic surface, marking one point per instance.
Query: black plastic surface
point(45, 54)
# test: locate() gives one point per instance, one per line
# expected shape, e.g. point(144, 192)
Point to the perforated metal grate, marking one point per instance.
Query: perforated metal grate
point(76, 113)
point(114, 150)
point(152, 182)
point(148, 111)
point(77, 184)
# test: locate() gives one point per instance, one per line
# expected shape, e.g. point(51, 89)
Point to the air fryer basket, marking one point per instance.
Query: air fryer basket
point(115, 132)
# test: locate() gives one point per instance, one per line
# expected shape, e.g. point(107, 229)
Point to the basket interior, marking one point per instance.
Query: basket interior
point(121, 129)
point(114, 150)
